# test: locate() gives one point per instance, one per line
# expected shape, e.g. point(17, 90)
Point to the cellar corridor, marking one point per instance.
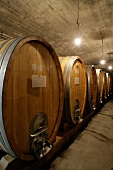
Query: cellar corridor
point(90, 149)
point(93, 148)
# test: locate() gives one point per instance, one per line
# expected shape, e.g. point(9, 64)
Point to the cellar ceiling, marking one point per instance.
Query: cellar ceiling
point(56, 22)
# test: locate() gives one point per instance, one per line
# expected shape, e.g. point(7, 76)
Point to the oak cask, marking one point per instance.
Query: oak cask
point(92, 87)
point(31, 83)
point(74, 76)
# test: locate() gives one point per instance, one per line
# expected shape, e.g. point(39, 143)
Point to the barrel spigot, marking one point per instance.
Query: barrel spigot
point(77, 111)
point(93, 106)
point(39, 135)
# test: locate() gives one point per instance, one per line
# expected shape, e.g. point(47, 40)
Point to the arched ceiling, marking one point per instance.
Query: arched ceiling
point(56, 22)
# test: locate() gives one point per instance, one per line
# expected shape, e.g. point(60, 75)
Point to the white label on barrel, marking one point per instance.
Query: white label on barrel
point(38, 81)
point(77, 80)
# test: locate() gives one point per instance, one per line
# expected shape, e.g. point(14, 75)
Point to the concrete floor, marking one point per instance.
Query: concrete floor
point(93, 148)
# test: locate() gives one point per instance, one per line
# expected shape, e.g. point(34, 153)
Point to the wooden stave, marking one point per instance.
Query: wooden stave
point(52, 138)
point(2, 43)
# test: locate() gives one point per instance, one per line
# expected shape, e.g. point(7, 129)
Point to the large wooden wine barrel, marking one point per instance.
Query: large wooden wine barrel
point(31, 82)
point(74, 75)
point(92, 87)
point(100, 83)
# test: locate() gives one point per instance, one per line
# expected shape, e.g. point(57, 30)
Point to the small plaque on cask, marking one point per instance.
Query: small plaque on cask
point(38, 81)
point(77, 80)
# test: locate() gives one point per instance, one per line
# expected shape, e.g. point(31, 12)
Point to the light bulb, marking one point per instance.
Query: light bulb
point(102, 62)
point(77, 41)
point(109, 67)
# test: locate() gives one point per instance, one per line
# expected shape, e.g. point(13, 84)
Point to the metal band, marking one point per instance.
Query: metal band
point(6, 56)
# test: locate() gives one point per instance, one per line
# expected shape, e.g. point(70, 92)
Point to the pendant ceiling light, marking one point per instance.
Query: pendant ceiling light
point(102, 61)
point(78, 38)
